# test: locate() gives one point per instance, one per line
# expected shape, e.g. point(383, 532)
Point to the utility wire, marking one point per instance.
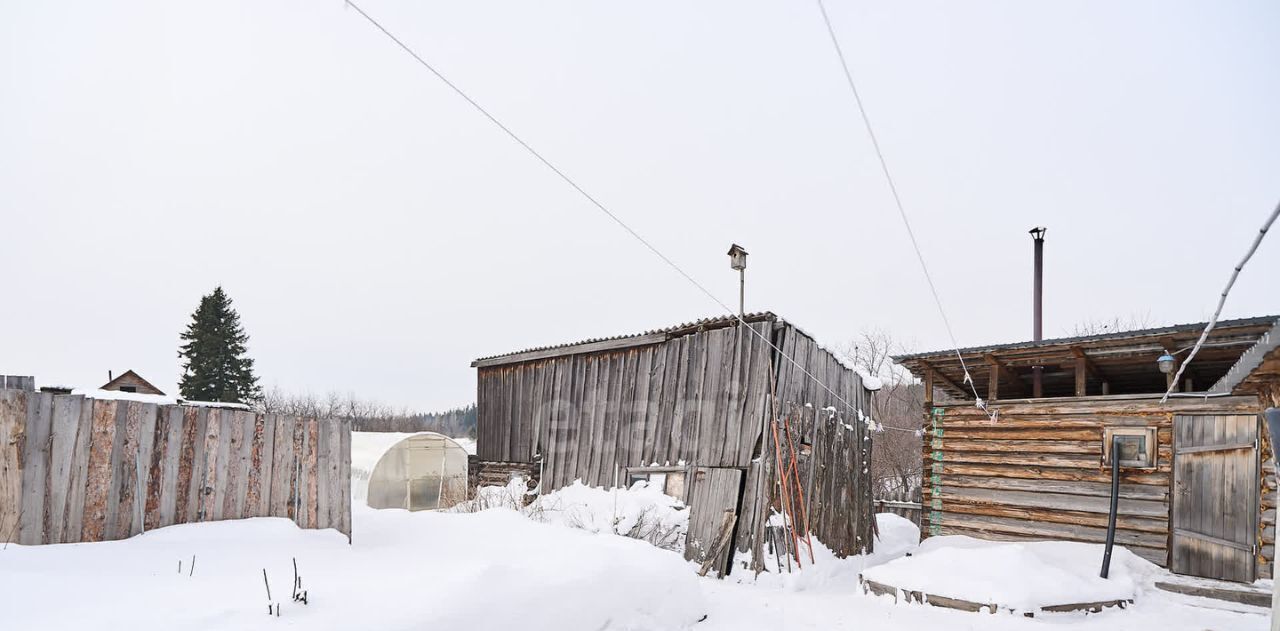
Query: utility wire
point(1222, 300)
point(897, 200)
point(594, 202)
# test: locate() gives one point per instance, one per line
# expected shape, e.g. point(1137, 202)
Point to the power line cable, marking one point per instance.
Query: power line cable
point(897, 200)
point(1222, 300)
point(594, 202)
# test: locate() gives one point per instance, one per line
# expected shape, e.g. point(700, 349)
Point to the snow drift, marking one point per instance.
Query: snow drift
point(1021, 576)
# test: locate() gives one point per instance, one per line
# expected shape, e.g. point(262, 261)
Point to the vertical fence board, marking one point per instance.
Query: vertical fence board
point(155, 468)
point(304, 475)
point(170, 464)
point(253, 481)
point(323, 475)
point(190, 467)
point(142, 465)
point(309, 468)
point(66, 427)
point(13, 414)
point(334, 520)
point(268, 462)
point(35, 472)
point(124, 448)
point(282, 467)
point(74, 513)
point(296, 479)
point(212, 475)
point(344, 477)
point(98, 473)
point(237, 459)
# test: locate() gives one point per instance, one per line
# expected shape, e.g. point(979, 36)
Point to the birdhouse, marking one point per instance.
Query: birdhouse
point(737, 257)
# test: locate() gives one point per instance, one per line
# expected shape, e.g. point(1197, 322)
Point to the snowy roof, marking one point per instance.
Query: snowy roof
point(1118, 335)
point(158, 399)
point(1124, 362)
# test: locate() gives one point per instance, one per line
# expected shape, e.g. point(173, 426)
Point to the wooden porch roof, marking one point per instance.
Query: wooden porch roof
point(1113, 363)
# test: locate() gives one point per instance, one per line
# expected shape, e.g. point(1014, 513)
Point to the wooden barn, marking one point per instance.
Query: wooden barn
point(692, 407)
point(1195, 494)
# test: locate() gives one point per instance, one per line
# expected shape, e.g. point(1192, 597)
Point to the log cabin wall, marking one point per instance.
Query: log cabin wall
point(74, 469)
point(1037, 472)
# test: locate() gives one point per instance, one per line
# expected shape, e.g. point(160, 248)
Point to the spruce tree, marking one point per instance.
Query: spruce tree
point(215, 366)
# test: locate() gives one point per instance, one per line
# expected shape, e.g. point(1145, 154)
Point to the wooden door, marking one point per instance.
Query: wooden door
point(1215, 496)
point(713, 491)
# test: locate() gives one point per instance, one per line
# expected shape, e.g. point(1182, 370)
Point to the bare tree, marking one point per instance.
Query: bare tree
point(1101, 326)
point(898, 406)
point(369, 416)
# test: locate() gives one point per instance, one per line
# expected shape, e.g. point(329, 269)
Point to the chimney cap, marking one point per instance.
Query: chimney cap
point(1037, 232)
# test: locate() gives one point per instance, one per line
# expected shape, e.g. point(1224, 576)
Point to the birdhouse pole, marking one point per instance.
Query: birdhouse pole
point(738, 261)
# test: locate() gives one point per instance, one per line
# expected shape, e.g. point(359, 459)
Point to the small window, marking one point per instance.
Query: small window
point(669, 481)
point(1137, 446)
point(129, 389)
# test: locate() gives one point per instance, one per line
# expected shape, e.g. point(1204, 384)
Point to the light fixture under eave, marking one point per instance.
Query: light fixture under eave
point(1165, 362)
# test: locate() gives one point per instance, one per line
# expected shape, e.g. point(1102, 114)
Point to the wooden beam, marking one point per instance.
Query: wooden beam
point(1082, 359)
point(1082, 377)
point(999, 371)
point(929, 373)
point(940, 376)
point(993, 381)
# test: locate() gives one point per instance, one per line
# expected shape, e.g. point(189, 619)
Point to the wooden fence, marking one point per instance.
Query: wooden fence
point(74, 469)
point(902, 504)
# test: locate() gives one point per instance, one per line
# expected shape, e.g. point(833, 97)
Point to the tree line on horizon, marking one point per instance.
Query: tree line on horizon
point(216, 367)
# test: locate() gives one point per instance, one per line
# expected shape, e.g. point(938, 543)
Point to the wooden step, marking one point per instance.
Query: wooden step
point(1229, 592)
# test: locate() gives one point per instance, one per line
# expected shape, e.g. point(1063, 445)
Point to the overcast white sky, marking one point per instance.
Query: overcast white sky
point(376, 234)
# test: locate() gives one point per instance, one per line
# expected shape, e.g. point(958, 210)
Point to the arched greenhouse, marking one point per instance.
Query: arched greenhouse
point(422, 472)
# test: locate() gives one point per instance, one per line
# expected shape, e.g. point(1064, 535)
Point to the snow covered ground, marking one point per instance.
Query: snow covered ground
point(499, 569)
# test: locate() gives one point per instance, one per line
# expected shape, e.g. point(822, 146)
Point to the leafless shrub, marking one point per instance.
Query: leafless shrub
point(369, 416)
point(650, 528)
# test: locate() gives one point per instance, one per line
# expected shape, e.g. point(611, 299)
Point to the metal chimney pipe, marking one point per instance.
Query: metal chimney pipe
point(1037, 372)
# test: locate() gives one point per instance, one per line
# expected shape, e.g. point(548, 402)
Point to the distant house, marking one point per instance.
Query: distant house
point(1195, 495)
point(709, 411)
point(130, 381)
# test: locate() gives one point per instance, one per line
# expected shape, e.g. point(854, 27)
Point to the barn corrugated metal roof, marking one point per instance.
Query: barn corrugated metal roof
point(717, 321)
point(1119, 335)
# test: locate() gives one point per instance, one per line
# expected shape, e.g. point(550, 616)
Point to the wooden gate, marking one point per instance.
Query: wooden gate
point(1215, 496)
point(714, 491)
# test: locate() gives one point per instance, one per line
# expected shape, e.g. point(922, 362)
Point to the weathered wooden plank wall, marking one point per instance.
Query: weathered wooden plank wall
point(74, 469)
point(699, 398)
point(833, 474)
point(691, 399)
point(1037, 472)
